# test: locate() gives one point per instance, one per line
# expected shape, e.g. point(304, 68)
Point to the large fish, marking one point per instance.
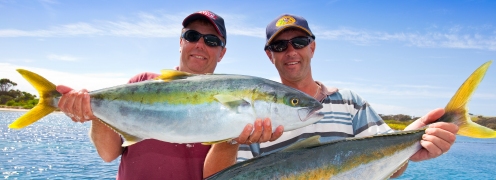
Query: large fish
point(180, 107)
point(375, 157)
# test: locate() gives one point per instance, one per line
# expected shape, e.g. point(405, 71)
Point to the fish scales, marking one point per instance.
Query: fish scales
point(137, 110)
point(203, 88)
point(342, 159)
point(180, 107)
point(374, 157)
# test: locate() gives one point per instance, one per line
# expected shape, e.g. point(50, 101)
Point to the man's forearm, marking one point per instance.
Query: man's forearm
point(107, 142)
point(220, 156)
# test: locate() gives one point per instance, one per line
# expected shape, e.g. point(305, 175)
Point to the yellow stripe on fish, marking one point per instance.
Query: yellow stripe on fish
point(179, 107)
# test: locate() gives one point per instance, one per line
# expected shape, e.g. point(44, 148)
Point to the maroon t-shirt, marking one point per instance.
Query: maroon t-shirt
point(154, 159)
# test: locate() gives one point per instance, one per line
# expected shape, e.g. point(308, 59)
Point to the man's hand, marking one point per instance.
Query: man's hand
point(262, 133)
point(75, 104)
point(438, 137)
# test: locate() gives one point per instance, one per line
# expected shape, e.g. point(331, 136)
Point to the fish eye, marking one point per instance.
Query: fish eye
point(294, 101)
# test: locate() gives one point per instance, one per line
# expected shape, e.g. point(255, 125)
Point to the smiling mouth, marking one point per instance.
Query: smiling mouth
point(198, 57)
point(292, 63)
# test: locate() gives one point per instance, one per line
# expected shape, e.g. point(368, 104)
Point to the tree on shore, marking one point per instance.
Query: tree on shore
point(11, 97)
point(6, 84)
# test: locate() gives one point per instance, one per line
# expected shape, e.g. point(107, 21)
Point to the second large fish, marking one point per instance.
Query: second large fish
point(180, 107)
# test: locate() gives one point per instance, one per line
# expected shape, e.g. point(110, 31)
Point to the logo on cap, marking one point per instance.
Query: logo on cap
point(285, 20)
point(209, 14)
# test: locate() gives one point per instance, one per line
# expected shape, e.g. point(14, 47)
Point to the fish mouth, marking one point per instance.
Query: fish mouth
point(307, 114)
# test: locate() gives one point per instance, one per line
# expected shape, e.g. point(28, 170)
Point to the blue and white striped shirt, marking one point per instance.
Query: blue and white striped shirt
point(346, 115)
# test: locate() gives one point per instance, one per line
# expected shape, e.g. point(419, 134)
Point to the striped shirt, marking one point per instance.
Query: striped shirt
point(346, 115)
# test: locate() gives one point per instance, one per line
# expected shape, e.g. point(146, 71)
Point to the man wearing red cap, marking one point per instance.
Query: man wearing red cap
point(202, 46)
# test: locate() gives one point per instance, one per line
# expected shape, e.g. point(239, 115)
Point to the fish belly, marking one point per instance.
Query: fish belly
point(174, 123)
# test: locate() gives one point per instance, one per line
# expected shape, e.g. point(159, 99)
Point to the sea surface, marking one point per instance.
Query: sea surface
point(57, 148)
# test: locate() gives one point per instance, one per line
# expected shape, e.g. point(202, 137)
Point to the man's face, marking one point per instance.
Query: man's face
point(197, 57)
point(293, 64)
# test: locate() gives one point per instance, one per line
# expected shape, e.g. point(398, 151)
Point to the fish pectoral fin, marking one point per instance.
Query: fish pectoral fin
point(215, 142)
point(128, 138)
point(231, 102)
point(309, 142)
point(169, 75)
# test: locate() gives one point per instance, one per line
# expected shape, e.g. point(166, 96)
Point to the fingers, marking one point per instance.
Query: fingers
point(257, 132)
point(63, 89)
point(260, 132)
point(439, 139)
point(267, 131)
point(278, 133)
point(75, 104)
point(243, 137)
point(78, 106)
point(427, 119)
point(87, 113)
point(450, 127)
point(432, 116)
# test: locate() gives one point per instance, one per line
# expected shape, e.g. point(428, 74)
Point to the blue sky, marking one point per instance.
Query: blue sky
point(404, 57)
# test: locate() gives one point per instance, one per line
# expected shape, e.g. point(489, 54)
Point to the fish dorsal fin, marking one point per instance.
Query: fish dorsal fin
point(169, 75)
point(128, 138)
point(309, 142)
point(231, 102)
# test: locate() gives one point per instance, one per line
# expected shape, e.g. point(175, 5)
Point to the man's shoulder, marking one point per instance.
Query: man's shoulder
point(143, 77)
point(345, 94)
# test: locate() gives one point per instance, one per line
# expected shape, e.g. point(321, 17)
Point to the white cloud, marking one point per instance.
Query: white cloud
point(146, 25)
point(166, 25)
point(451, 39)
point(62, 57)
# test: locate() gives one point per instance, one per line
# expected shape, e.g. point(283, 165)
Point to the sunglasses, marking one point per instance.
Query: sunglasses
point(281, 45)
point(210, 39)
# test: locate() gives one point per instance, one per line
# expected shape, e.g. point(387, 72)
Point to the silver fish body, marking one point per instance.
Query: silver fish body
point(180, 107)
point(376, 157)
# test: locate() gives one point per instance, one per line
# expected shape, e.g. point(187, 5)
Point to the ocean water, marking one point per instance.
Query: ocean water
point(57, 148)
point(52, 148)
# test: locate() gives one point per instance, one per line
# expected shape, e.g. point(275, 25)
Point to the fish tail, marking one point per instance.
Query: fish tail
point(457, 112)
point(46, 104)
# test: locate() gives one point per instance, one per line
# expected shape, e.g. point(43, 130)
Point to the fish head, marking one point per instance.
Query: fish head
point(292, 109)
point(306, 107)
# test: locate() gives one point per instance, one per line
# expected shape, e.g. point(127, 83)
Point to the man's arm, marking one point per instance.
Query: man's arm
point(220, 156)
point(76, 105)
point(223, 155)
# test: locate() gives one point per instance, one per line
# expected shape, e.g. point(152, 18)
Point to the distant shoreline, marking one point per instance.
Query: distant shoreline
point(13, 109)
point(22, 110)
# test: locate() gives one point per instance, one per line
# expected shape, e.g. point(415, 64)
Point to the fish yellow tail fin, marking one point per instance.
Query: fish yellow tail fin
point(45, 106)
point(457, 112)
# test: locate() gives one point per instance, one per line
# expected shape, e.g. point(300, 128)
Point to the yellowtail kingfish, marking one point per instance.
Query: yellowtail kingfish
point(374, 157)
point(179, 107)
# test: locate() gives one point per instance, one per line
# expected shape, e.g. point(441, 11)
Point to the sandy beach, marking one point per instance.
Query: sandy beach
point(11, 109)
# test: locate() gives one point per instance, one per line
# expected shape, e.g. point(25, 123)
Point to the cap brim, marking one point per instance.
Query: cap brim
point(286, 27)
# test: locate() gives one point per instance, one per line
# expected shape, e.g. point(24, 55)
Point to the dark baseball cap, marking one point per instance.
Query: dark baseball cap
point(215, 19)
point(286, 21)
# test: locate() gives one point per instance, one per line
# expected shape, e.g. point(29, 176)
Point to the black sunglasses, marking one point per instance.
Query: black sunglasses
point(210, 39)
point(281, 45)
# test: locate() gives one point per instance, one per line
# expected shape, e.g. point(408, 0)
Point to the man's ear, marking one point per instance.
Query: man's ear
point(269, 55)
point(312, 47)
point(222, 53)
point(180, 45)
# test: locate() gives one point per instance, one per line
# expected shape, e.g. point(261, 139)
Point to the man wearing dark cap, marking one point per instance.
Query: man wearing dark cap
point(202, 46)
point(290, 47)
